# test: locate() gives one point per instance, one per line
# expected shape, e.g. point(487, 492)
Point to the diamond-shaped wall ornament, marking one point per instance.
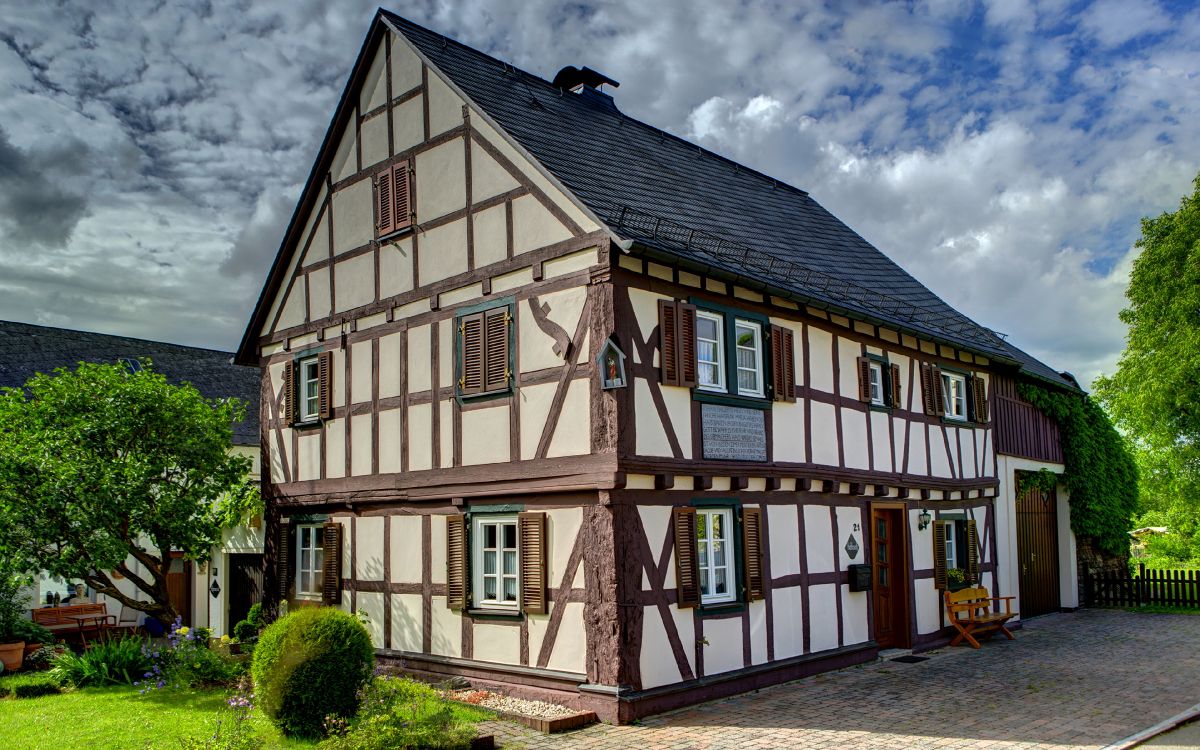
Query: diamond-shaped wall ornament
point(852, 547)
point(215, 589)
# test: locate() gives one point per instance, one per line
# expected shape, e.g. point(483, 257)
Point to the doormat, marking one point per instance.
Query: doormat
point(910, 659)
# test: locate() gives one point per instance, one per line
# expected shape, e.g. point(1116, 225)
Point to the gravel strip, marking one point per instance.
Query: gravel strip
point(498, 702)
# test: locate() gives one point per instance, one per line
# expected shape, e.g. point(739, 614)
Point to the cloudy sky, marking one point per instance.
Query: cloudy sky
point(151, 152)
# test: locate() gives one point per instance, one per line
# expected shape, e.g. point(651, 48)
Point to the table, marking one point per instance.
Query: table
point(100, 622)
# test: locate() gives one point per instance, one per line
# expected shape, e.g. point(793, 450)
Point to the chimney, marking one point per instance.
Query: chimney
point(585, 83)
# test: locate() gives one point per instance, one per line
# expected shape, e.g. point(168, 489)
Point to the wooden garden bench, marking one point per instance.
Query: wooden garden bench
point(970, 612)
point(74, 620)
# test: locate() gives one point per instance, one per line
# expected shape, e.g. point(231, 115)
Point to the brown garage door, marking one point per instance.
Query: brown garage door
point(1037, 552)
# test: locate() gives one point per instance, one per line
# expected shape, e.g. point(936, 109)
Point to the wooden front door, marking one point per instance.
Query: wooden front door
point(245, 587)
point(889, 570)
point(1037, 552)
point(179, 586)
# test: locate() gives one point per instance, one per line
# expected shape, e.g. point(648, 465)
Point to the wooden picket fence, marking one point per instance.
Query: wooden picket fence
point(1166, 588)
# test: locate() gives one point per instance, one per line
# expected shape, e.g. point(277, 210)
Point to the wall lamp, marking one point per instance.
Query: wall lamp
point(923, 520)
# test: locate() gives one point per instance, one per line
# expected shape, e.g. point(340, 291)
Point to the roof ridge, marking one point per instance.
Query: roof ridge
point(79, 332)
point(509, 67)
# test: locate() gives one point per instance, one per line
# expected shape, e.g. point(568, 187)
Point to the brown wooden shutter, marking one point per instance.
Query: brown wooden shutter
point(668, 342)
point(290, 405)
point(531, 553)
point(864, 380)
point(931, 391)
point(385, 202)
point(979, 402)
point(470, 354)
point(972, 570)
point(456, 562)
point(283, 557)
point(752, 553)
point(496, 370)
point(687, 346)
point(897, 398)
point(331, 568)
point(939, 555)
point(402, 192)
point(687, 563)
point(325, 385)
point(783, 363)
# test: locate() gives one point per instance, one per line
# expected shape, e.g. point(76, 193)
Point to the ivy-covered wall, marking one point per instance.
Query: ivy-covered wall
point(1100, 472)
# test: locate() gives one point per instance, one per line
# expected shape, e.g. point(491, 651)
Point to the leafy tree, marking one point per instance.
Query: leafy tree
point(1154, 396)
point(100, 466)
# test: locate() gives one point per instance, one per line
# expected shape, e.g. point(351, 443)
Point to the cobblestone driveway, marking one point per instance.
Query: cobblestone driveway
point(1070, 680)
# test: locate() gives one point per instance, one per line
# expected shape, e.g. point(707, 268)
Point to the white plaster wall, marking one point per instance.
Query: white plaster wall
point(491, 231)
point(437, 556)
point(318, 294)
point(395, 268)
point(335, 448)
point(488, 178)
point(294, 308)
point(818, 539)
point(368, 547)
point(787, 426)
point(848, 353)
point(854, 438)
point(822, 600)
point(783, 539)
point(353, 216)
point(534, 226)
point(922, 541)
point(442, 252)
point(309, 458)
point(390, 347)
point(371, 604)
point(655, 521)
point(824, 438)
point(854, 616)
point(572, 434)
point(406, 622)
point(535, 407)
point(787, 609)
point(406, 550)
point(570, 645)
point(820, 359)
point(939, 460)
point(447, 437)
point(497, 643)
point(445, 107)
point(408, 127)
point(374, 140)
point(446, 629)
point(361, 441)
point(657, 659)
point(537, 348)
point(650, 436)
point(881, 440)
point(374, 89)
point(723, 647)
point(420, 437)
point(354, 282)
point(485, 435)
point(562, 527)
point(929, 606)
point(420, 352)
point(406, 66)
point(441, 180)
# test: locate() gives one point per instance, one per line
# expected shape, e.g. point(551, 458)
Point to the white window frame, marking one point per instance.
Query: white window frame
point(500, 520)
point(756, 328)
point(951, 531)
point(705, 557)
point(316, 569)
point(719, 320)
point(310, 405)
point(875, 379)
point(955, 407)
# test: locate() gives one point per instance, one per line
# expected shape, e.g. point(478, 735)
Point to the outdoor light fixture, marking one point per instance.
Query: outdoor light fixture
point(923, 520)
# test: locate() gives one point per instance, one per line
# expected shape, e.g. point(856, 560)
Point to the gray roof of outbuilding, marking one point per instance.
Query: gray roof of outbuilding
point(678, 198)
point(26, 350)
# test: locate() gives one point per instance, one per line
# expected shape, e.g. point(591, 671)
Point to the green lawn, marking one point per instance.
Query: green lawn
point(119, 718)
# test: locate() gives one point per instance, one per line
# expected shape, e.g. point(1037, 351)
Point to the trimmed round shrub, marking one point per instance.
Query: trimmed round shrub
point(244, 631)
point(309, 665)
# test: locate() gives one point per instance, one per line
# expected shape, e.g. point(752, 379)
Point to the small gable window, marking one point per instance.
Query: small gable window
point(308, 387)
point(954, 396)
point(878, 382)
point(393, 199)
point(485, 352)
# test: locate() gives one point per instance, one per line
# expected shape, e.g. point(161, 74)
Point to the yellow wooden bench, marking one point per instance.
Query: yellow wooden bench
point(970, 612)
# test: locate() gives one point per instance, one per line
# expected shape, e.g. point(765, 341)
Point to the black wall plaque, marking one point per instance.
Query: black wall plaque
point(733, 434)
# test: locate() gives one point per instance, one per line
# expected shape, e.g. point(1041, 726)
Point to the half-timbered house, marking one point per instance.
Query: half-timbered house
point(569, 406)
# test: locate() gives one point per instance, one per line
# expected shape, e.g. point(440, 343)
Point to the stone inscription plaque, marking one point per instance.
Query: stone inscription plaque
point(733, 434)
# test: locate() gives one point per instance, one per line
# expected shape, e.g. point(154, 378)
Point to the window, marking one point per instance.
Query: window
point(954, 396)
point(748, 345)
point(393, 199)
point(875, 374)
point(484, 355)
point(495, 562)
point(310, 561)
point(951, 540)
point(710, 347)
point(310, 389)
point(714, 536)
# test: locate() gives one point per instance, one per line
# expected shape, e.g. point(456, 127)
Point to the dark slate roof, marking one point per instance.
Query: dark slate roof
point(675, 197)
point(29, 349)
point(1037, 369)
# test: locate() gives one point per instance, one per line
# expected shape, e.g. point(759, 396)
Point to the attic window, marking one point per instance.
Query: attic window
point(393, 199)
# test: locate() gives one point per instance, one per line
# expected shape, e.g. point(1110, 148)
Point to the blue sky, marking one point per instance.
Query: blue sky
point(1003, 152)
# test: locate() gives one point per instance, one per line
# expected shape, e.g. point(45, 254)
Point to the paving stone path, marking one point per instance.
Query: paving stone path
point(1079, 680)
